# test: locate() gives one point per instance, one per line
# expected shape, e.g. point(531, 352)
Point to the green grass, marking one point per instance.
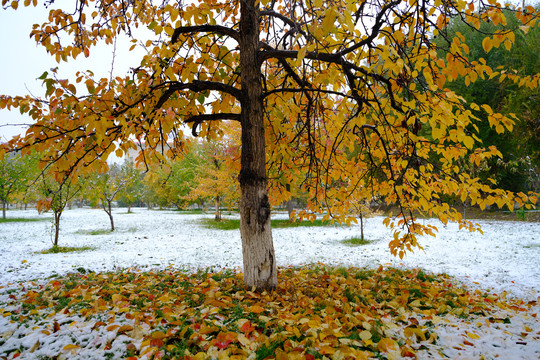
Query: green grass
point(66, 249)
point(189, 212)
point(22, 220)
point(277, 224)
point(234, 224)
point(356, 241)
point(94, 232)
point(221, 225)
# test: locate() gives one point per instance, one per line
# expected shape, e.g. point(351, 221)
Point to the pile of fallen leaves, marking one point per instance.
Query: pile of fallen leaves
point(316, 312)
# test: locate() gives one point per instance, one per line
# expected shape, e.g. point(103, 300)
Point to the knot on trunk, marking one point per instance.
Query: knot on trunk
point(250, 178)
point(264, 212)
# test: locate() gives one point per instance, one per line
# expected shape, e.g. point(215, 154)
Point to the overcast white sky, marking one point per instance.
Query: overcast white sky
point(22, 61)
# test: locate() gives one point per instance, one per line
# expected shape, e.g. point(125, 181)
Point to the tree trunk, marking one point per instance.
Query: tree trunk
point(361, 225)
point(218, 212)
point(108, 210)
point(257, 243)
point(201, 204)
point(4, 204)
point(289, 202)
point(57, 215)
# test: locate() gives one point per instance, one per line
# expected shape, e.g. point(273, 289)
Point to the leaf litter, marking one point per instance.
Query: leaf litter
point(316, 312)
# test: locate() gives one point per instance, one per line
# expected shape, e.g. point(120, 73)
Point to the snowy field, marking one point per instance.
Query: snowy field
point(505, 258)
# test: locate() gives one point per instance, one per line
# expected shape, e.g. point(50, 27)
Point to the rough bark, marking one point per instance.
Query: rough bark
point(4, 205)
point(257, 243)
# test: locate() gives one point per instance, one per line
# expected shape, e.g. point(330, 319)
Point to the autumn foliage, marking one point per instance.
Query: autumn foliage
point(345, 100)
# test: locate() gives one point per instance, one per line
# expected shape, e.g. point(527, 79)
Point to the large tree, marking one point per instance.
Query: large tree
point(350, 94)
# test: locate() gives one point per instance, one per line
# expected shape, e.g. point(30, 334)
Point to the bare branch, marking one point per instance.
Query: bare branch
point(216, 29)
point(199, 119)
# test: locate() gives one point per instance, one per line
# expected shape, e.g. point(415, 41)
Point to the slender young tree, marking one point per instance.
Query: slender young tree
point(106, 187)
point(56, 195)
point(350, 94)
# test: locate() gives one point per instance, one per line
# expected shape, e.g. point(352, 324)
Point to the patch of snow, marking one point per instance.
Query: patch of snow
point(505, 258)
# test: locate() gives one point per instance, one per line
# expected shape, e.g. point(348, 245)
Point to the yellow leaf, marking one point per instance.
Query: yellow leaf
point(116, 298)
point(473, 335)
point(158, 335)
point(301, 54)
point(468, 142)
point(329, 18)
point(390, 347)
point(124, 328)
point(365, 335)
point(487, 44)
point(70, 347)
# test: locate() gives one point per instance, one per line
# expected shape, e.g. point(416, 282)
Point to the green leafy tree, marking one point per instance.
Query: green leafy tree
point(519, 166)
point(184, 176)
point(130, 194)
point(16, 175)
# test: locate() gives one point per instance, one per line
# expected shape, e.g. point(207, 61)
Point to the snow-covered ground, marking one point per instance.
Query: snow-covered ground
point(505, 258)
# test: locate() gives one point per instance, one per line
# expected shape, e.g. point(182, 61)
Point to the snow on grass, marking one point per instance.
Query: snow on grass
point(505, 258)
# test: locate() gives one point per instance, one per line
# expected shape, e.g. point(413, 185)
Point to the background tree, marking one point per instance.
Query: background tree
point(105, 188)
point(56, 195)
point(520, 162)
point(16, 174)
point(130, 194)
point(184, 176)
point(319, 79)
point(217, 172)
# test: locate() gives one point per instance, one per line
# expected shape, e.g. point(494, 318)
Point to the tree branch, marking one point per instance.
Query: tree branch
point(216, 29)
point(197, 86)
point(199, 119)
point(285, 19)
point(374, 30)
point(334, 59)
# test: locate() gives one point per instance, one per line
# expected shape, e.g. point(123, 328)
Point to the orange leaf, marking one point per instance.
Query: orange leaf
point(256, 309)
point(247, 327)
point(156, 342)
point(112, 327)
point(98, 324)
